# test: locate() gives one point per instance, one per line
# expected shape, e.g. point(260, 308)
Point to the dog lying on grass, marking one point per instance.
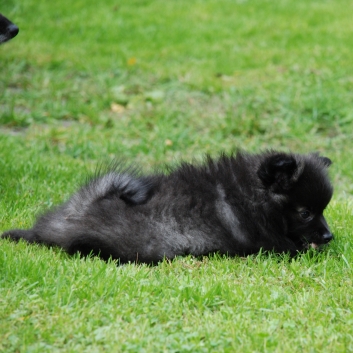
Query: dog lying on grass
point(234, 205)
point(8, 30)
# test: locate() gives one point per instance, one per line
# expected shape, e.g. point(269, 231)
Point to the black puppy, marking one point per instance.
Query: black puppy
point(233, 205)
point(8, 30)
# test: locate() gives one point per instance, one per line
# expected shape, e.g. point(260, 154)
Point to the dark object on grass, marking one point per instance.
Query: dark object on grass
point(8, 30)
point(234, 205)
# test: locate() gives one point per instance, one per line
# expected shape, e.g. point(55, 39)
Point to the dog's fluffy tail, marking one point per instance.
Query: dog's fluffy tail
point(115, 180)
point(131, 189)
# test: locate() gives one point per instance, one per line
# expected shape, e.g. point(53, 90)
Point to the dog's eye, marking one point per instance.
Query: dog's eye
point(305, 214)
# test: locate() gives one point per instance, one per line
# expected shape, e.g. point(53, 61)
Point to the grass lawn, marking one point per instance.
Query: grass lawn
point(156, 81)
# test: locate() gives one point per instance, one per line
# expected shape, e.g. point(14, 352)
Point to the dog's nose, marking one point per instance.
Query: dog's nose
point(327, 237)
point(12, 30)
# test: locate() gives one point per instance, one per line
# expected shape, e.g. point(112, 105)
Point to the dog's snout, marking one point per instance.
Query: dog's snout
point(12, 30)
point(327, 237)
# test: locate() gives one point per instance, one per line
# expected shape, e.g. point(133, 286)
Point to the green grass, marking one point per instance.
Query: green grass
point(154, 82)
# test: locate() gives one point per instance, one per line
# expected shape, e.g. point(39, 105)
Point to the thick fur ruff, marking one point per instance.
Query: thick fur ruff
point(234, 205)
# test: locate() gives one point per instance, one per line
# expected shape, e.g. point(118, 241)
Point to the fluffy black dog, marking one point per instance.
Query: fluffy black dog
point(233, 205)
point(8, 30)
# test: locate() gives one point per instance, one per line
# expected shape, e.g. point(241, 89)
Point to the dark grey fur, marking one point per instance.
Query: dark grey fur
point(233, 205)
point(8, 30)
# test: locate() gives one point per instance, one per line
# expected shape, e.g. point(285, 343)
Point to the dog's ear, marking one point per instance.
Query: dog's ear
point(279, 172)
